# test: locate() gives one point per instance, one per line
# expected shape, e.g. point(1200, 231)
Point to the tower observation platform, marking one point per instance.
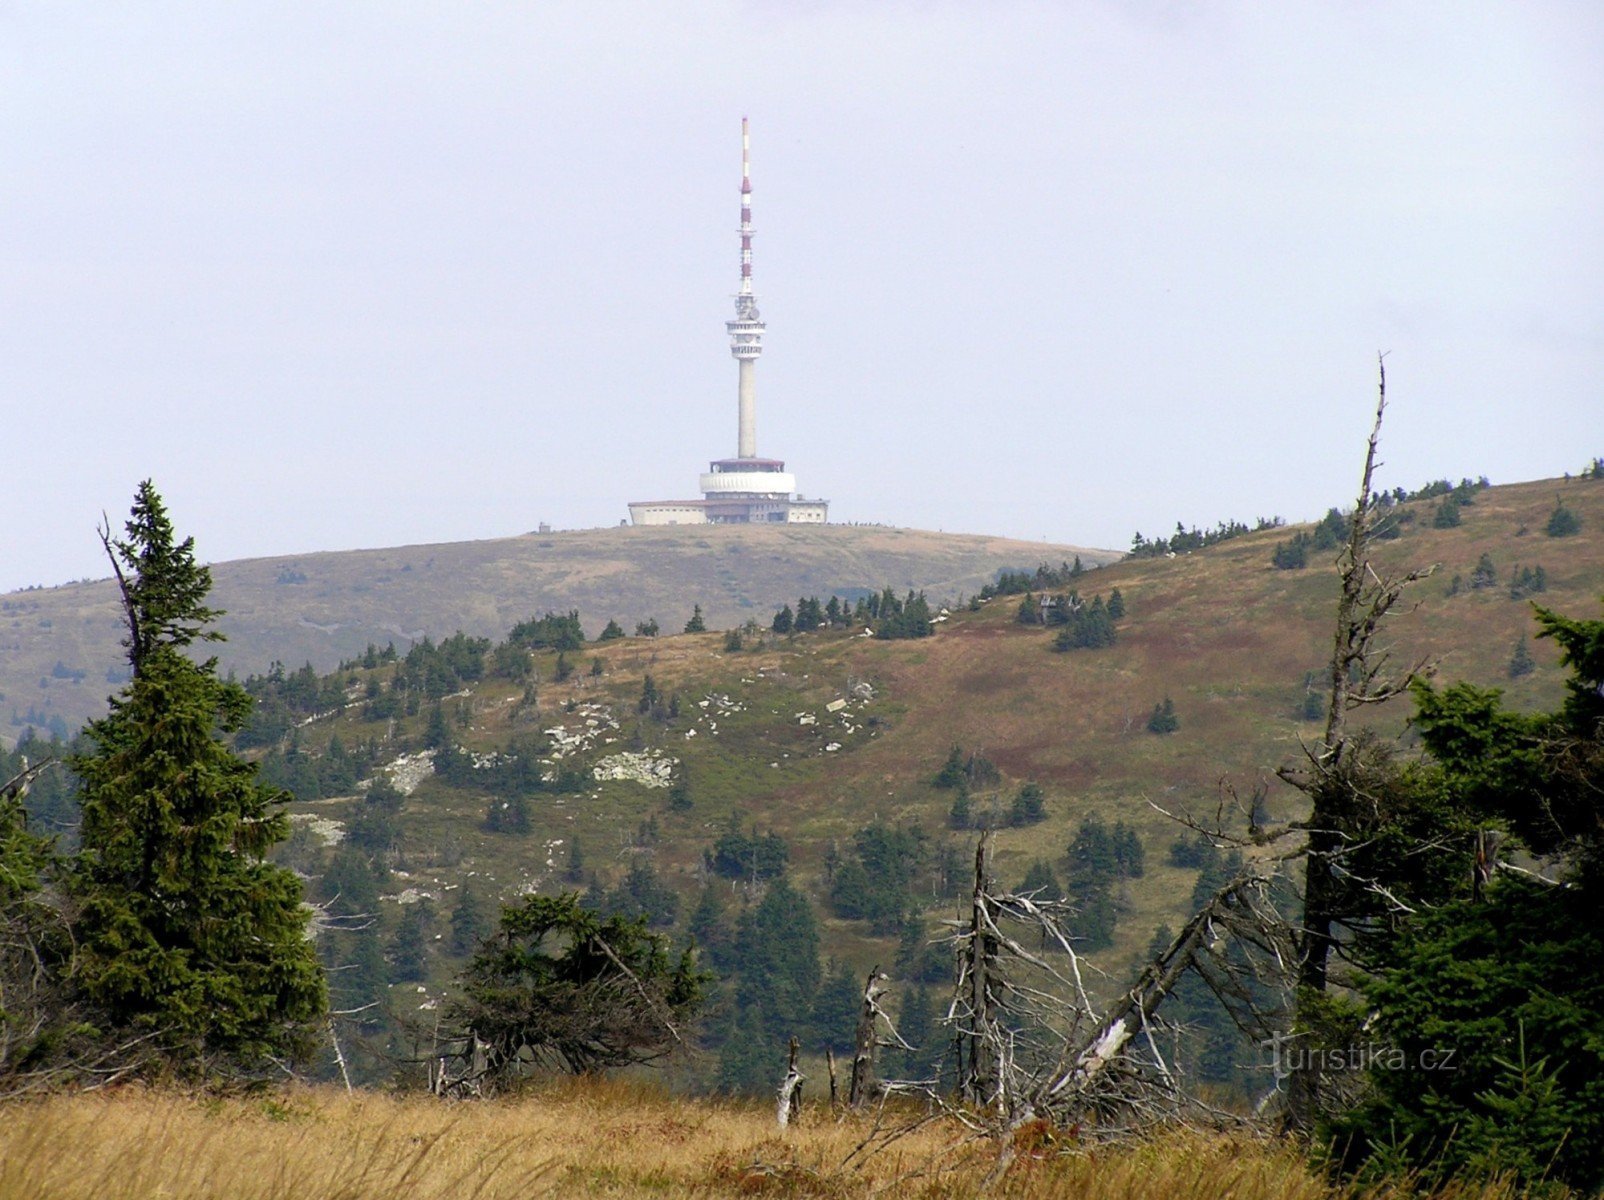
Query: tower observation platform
point(746, 488)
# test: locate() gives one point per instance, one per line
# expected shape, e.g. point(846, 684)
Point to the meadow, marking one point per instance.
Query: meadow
point(590, 1137)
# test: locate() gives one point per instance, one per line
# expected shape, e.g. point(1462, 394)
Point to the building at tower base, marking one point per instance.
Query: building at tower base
point(737, 491)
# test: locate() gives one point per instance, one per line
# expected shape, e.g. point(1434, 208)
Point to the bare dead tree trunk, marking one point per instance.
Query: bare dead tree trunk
point(865, 1041)
point(1130, 1016)
point(978, 1081)
point(1358, 676)
point(829, 1065)
point(790, 1100)
point(339, 1057)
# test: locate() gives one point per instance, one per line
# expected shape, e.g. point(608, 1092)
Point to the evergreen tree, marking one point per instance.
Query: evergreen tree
point(809, 615)
point(1292, 555)
point(1029, 612)
point(560, 985)
point(696, 624)
point(1029, 806)
point(783, 620)
point(1521, 662)
point(1095, 913)
point(186, 931)
point(574, 869)
point(1092, 854)
point(409, 952)
point(835, 1009)
point(679, 790)
point(951, 774)
point(1485, 575)
point(508, 815)
point(1527, 581)
point(1129, 857)
point(710, 930)
point(472, 920)
point(733, 644)
point(754, 856)
point(36, 1017)
point(437, 734)
point(612, 633)
point(650, 697)
point(917, 1025)
point(1562, 522)
point(962, 814)
point(1116, 605)
point(1163, 718)
point(642, 895)
point(1040, 879)
point(647, 628)
point(750, 1054)
point(374, 829)
point(777, 951)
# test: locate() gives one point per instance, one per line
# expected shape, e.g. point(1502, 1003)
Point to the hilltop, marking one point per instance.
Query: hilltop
point(59, 651)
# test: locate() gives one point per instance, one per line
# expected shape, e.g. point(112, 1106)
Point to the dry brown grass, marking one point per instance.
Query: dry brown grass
point(584, 1138)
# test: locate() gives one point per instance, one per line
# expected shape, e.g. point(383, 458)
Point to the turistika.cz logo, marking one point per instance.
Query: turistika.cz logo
point(1290, 1054)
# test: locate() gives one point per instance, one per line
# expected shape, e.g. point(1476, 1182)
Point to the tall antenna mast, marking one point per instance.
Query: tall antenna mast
point(746, 331)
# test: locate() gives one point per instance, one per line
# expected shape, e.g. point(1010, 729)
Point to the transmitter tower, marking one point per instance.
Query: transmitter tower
point(746, 488)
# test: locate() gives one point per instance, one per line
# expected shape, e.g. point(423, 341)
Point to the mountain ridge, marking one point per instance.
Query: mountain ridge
point(59, 647)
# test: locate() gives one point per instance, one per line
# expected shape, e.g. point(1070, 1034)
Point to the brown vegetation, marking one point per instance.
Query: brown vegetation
point(585, 1138)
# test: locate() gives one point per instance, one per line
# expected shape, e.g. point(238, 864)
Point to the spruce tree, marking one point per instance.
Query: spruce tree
point(473, 919)
point(1562, 522)
point(696, 624)
point(186, 931)
point(917, 1025)
point(1163, 718)
point(1521, 662)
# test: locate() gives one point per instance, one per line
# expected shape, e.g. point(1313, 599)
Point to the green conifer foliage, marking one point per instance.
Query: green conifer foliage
point(1163, 718)
point(1521, 662)
point(472, 920)
point(1562, 522)
point(917, 1025)
point(186, 930)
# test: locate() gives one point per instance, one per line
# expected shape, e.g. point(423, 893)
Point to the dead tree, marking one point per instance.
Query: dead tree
point(1339, 773)
point(1013, 1013)
point(1030, 1044)
point(1136, 1009)
point(865, 1040)
point(790, 1097)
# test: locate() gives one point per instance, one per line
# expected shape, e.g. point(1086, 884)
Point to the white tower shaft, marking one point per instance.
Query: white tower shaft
point(746, 331)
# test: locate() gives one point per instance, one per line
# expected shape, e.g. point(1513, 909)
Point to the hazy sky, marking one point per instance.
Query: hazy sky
point(345, 275)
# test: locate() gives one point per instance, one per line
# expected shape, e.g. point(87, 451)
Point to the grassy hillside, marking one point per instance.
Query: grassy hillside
point(780, 734)
point(586, 1138)
point(59, 646)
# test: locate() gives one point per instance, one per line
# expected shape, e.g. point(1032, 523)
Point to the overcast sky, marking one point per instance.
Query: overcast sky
point(345, 275)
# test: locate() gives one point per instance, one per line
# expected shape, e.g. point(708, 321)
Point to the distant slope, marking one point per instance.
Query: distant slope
point(59, 646)
point(783, 734)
